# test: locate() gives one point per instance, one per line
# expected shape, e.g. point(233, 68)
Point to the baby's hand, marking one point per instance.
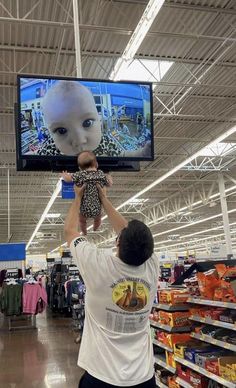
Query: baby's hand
point(109, 180)
point(66, 176)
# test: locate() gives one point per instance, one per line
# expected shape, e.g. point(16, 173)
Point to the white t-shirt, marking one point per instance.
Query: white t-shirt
point(116, 345)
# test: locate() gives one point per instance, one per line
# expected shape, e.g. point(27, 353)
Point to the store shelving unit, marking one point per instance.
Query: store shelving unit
point(204, 372)
point(168, 328)
point(183, 383)
point(163, 346)
point(213, 341)
point(170, 308)
point(212, 322)
point(159, 360)
point(215, 303)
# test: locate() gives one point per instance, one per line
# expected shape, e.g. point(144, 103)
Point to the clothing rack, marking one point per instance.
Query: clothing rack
point(25, 318)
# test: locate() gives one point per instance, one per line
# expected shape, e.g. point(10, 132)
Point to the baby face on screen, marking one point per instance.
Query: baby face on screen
point(71, 117)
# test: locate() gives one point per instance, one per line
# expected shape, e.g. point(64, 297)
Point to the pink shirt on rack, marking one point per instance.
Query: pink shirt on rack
point(32, 293)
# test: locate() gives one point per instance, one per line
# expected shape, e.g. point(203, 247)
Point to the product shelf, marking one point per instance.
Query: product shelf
point(210, 321)
point(183, 383)
point(160, 360)
point(160, 384)
point(210, 340)
point(215, 303)
point(171, 308)
point(168, 328)
point(161, 345)
point(204, 372)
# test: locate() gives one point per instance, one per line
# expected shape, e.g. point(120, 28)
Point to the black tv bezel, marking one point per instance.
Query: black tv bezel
point(48, 163)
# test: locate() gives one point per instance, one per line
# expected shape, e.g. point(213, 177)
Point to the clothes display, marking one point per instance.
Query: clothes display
point(22, 298)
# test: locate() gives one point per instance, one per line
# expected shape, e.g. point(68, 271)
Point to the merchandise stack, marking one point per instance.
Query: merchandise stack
point(206, 356)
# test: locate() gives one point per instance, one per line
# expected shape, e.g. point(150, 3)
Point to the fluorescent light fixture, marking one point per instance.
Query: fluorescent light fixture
point(44, 215)
point(220, 149)
point(139, 201)
point(144, 70)
point(53, 215)
point(143, 26)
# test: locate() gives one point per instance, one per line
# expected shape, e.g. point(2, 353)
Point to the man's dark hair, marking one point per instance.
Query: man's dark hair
point(135, 243)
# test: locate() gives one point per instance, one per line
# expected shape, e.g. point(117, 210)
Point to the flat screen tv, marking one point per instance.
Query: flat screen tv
point(57, 118)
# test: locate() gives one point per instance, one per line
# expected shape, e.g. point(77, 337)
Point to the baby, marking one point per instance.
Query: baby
point(89, 175)
point(72, 117)
point(74, 125)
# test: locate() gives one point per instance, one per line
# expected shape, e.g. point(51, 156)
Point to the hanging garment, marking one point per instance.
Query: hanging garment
point(11, 299)
point(32, 295)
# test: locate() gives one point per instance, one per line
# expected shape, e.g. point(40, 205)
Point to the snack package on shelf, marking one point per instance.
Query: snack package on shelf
point(209, 359)
point(227, 368)
point(183, 372)
point(173, 296)
point(208, 283)
point(162, 374)
point(197, 380)
point(179, 348)
point(170, 359)
point(226, 291)
point(171, 339)
point(172, 383)
point(192, 287)
point(176, 319)
point(228, 316)
point(191, 352)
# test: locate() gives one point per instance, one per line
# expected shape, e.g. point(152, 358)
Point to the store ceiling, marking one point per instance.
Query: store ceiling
point(197, 94)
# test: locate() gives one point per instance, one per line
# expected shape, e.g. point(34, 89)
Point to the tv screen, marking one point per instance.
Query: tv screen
point(57, 118)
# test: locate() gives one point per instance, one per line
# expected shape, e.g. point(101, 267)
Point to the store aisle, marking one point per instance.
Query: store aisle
point(43, 358)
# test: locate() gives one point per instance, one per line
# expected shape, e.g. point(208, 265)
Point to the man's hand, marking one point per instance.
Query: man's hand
point(79, 191)
point(102, 192)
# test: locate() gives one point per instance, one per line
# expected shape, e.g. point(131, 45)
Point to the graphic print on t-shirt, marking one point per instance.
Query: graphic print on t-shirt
point(130, 295)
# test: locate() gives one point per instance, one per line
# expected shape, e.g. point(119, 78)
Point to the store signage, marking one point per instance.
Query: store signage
point(12, 252)
point(67, 190)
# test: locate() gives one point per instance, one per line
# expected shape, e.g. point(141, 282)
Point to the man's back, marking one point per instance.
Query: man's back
point(116, 346)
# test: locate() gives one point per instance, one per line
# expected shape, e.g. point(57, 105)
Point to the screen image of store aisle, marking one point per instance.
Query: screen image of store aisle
point(190, 357)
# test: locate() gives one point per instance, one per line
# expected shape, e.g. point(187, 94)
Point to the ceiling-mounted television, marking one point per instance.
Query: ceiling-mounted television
point(57, 118)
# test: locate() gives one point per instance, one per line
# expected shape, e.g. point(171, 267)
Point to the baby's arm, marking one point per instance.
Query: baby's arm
point(66, 176)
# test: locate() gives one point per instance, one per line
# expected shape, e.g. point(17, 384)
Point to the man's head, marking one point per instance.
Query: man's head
point(135, 243)
point(87, 159)
point(71, 116)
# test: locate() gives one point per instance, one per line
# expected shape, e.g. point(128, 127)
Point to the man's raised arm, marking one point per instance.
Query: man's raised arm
point(71, 227)
point(117, 221)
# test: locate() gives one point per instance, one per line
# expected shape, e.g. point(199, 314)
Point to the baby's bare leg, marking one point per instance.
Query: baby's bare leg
point(83, 224)
point(97, 222)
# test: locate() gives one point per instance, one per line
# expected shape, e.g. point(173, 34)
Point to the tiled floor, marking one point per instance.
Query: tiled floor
point(42, 358)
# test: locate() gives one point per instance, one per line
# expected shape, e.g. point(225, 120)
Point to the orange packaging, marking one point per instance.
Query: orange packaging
point(173, 296)
point(225, 292)
point(225, 272)
point(207, 284)
point(170, 359)
point(172, 383)
point(171, 339)
point(176, 319)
